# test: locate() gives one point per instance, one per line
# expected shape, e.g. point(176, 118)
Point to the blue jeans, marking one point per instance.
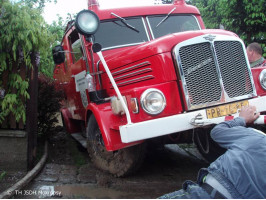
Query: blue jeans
point(190, 190)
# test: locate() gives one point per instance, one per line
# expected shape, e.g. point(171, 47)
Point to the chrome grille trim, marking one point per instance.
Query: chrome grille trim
point(228, 54)
point(196, 68)
point(214, 69)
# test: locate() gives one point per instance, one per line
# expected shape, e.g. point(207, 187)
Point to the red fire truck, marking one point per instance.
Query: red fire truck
point(150, 74)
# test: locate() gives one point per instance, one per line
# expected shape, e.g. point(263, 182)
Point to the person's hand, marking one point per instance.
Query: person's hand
point(249, 114)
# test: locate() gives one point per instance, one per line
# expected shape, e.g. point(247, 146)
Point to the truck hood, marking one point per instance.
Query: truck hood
point(161, 45)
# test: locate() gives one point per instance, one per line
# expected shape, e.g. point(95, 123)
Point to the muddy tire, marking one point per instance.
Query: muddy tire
point(209, 149)
point(119, 163)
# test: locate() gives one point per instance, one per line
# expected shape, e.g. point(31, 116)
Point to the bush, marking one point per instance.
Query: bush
point(49, 103)
point(23, 33)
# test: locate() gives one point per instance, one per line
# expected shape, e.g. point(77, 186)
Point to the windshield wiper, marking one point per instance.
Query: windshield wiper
point(166, 17)
point(123, 20)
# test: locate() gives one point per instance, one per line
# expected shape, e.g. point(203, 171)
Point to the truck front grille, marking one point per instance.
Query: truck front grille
point(200, 74)
point(213, 72)
point(234, 69)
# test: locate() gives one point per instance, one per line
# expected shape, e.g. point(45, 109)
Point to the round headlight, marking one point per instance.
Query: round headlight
point(87, 22)
point(153, 101)
point(262, 79)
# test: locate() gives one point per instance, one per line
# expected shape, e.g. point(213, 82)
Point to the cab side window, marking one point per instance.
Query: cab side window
point(76, 48)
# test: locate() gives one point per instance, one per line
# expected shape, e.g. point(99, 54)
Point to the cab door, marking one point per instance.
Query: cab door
point(77, 88)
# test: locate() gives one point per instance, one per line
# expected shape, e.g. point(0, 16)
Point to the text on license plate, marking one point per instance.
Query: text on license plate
point(224, 110)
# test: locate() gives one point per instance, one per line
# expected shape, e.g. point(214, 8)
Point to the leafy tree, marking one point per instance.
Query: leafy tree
point(23, 34)
point(39, 4)
point(56, 32)
point(247, 18)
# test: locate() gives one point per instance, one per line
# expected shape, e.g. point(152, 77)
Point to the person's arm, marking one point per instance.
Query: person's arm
point(226, 133)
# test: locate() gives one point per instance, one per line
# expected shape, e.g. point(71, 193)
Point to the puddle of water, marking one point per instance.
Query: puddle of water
point(88, 191)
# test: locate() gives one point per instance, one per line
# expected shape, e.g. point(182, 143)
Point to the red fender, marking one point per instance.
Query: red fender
point(256, 73)
point(109, 125)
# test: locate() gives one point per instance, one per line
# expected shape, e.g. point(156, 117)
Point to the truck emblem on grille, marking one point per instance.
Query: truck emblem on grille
point(192, 69)
point(210, 37)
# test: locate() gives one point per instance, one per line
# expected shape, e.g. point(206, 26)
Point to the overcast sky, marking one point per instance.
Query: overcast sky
point(62, 7)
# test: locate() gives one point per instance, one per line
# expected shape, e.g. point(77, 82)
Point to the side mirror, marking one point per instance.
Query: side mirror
point(87, 22)
point(58, 54)
point(96, 47)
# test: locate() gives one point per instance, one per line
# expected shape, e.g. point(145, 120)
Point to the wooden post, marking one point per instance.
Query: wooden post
point(12, 120)
point(23, 76)
point(31, 112)
point(5, 80)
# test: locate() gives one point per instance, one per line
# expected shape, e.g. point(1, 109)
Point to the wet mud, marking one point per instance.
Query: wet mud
point(69, 173)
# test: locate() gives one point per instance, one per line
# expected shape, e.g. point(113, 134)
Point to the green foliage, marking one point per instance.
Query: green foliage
point(49, 99)
point(2, 175)
point(56, 32)
point(39, 4)
point(23, 33)
point(247, 18)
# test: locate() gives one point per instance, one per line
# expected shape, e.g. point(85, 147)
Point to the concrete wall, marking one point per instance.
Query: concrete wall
point(13, 150)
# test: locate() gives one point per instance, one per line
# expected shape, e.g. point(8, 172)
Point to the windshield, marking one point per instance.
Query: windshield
point(161, 26)
point(118, 33)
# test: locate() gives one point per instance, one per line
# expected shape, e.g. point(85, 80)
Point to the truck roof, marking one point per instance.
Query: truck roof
point(163, 9)
point(104, 14)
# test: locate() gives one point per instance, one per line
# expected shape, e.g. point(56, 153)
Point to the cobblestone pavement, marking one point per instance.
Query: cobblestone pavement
point(9, 179)
point(163, 171)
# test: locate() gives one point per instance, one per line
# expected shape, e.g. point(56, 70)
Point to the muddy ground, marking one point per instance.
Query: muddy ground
point(69, 173)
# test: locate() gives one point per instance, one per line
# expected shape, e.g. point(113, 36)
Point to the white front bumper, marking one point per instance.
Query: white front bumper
point(176, 123)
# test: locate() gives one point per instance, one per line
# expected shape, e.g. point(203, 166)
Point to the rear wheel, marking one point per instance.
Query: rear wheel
point(119, 163)
point(209, 149)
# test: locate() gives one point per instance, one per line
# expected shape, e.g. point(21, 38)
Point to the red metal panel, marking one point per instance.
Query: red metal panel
point(256, 73)
point(146, 10)
point(108, 124)
point(70, 125)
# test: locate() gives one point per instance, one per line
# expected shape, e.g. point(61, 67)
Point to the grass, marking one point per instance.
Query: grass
point(2, 175)
point(77, 155)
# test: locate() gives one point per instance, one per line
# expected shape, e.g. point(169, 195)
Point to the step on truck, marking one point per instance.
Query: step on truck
point(150, 74)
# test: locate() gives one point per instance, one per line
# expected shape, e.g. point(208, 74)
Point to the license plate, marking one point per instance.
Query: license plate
point(224, 110)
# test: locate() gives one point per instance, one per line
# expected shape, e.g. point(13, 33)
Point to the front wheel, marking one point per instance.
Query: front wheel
point(119, 163)
point(209, 149)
